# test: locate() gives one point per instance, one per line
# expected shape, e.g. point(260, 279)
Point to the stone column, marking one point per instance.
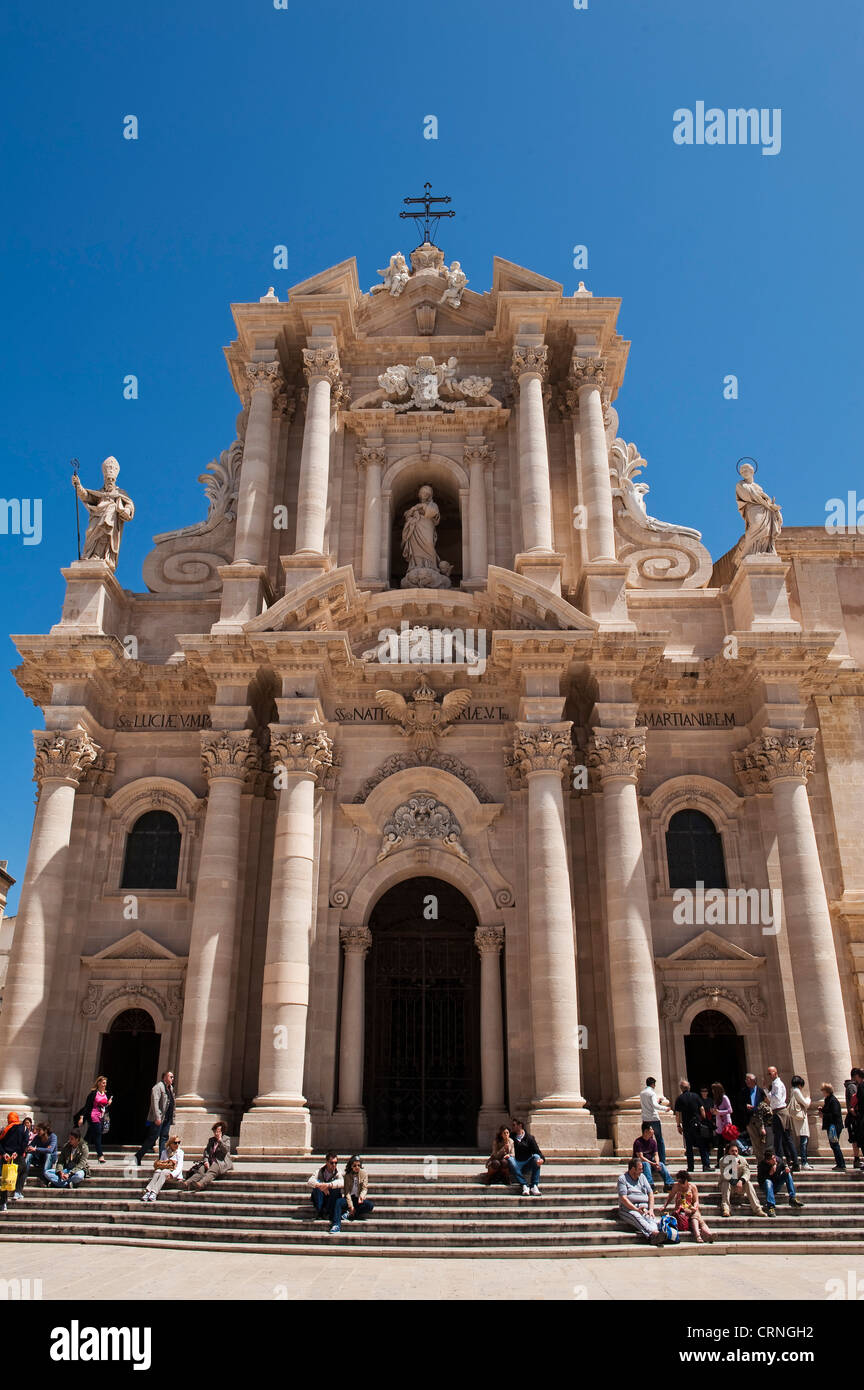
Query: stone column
point(372, 458)
point(558, 1117)
point(530, 372)
point(208, 1009)
point(477, 456)
point(279, 1118)
point(356, 942)
point(618, 755)
point(489, 941)
point(254, 520)
point(587, 379)
point(781, 760)
point(323, 373)
point(60, 763)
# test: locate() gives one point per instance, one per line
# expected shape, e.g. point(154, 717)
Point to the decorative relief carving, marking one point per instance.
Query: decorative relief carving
point(423, 818)
point(399, 761)
point(188, 559)
point(489, 940)
point(65, 756)
point(230, 754)
point(540, 748)
point(355, 940)
point(777, 755)
point(658, 553)
point(97, 778)
point(529, 359)
point(323, 363)
point(170, 1003)
point(479, 453)
point(587, 371)
point(371, 454)
point(617, 753)
point(301, 749)
point(427, 386)
point(265, 376)
point(420, 717)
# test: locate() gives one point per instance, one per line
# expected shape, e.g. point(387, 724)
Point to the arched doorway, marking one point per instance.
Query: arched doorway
point(422, 1068)
point(129, 1057)
point(714, 1051)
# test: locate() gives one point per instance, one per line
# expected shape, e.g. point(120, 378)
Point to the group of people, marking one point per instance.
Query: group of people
point(516, 1158)
point(340, 1196)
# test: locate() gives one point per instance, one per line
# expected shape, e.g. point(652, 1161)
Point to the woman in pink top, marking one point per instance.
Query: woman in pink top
point(721, 1109)
point(94, 1111)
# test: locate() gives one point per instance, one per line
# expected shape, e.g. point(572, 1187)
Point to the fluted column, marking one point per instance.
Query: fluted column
point(323, 373)
point(530, 371)
point(208, 1008)
point(60, 763)
point(254, 519)
point(279, 1116)
point(587, 379)
point(356, 942)
point(541, 753)
point(489, 941)
point(618, 755)
point(371, 458)
point(477, 456)
point(781, 760)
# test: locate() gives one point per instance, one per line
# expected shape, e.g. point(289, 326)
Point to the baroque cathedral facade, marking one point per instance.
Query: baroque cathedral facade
point(373, 817)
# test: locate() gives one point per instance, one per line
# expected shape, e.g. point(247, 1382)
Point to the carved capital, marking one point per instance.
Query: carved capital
point(230, 754)
point(617, 753)
point(99, 775)
point(541, 748)
point(303, 748)
point(530, 360)
point(587, 371)
point(489, 940)
point(63, 757)
point(371, 454)
point(264, 376)
point(778, 755)
point(479, 453)
point(284, 404)
point(323, 363)
point(356, 941)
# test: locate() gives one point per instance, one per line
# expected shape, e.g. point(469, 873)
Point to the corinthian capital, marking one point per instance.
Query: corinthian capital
point(63, 757)
point(479, 453)
point(356, 941)
point(264, 376)
point(302, 748)
point(617, 753)
point(322, 362)
point(587, 371)
point(529, 359)
point(489, 940)
point(371, 454)
point(541, 748)
point(230, 754)
point(778, 755)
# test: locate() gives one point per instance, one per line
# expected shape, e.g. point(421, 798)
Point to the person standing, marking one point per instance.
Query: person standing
point(692, 1124)
point(94, 1111)
point(854, 1113)
point(160, 1117)
point(721, 1110)
point(780, 1117)
point(636, 1203)
point(832, 1123)
point(526, 1156)
point(72, 1164)
point(14, 1138)
point(735, 1178)
point(752, 1103)
point(355, 1188)
point(166, 1170)
point(649, 1105)
point(799, 1125)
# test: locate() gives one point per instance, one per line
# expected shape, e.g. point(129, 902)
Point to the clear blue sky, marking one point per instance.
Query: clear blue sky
point(305, 127)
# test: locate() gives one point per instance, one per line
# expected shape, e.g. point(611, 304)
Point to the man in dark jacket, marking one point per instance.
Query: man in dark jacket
point(749, 1098)
point(13, 1149)
point(526, 1156)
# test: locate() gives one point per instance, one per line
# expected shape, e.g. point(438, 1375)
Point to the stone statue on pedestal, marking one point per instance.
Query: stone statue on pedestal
point(396, 276)
point(109, 508)
point(419, 535)
point(456, 282)
point(763, 519)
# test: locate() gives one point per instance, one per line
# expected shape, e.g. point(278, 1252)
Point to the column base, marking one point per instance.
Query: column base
point(194, 1121)
point(602, 594)
point(625, 1125)
point(489, 1120)
point(304, 565)
point(542, 566)
point(563, 1130)
point(349, 1126)
point(245, 589)
point(276, 1129)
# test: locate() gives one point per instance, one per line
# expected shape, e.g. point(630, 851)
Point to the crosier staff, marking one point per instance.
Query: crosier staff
point(75, 467)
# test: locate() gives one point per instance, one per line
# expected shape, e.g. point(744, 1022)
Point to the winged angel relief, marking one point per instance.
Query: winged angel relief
point(423, 719)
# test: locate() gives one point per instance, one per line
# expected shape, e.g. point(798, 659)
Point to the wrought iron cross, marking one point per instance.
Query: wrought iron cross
point(430, 216)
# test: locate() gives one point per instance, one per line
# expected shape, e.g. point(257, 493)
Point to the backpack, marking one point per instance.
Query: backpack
point(669, 1228)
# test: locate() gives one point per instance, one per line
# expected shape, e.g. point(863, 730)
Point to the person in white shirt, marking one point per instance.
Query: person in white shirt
point(168, 1169)
point(780, 1117)
point(650, 1103)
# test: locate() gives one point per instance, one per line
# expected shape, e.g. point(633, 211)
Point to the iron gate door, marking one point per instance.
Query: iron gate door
point(422, 1025)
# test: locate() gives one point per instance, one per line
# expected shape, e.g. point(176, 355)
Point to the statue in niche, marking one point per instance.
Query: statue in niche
point(763, 519)
point(109, 508)
point(419, 537)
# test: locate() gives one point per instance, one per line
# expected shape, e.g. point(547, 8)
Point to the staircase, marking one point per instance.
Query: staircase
point(264, 1207)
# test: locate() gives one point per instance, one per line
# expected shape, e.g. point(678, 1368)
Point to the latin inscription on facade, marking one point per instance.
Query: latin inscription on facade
point(373, 714)
point(685, 719)
point(163, 719)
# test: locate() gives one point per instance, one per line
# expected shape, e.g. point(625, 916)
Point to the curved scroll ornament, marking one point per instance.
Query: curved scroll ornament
point(658, 553)
point(397, 762)
point(422, 818)
point(186, 561)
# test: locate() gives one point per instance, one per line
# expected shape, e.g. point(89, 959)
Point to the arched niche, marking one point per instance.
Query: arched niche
point(400, 485)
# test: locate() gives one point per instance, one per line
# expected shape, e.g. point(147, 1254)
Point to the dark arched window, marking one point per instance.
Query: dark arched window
point(152, 852)
point(694, 852)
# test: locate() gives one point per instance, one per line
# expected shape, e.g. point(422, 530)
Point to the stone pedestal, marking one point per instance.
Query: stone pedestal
point(94, 604)
point(760, 601)
point(602, 594)
point(245, 590)
point(542, 569)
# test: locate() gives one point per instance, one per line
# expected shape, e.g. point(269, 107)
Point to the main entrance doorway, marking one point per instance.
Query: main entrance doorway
point(715, 1052)
point(422, 1072)
point(130, 1059)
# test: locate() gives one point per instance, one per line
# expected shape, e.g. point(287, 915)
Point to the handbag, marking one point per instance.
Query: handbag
point(106, 1121)
point(683, 1220)
point(9, 1176)
point(729, 1132)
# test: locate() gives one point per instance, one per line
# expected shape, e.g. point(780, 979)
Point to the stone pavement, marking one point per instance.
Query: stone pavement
point(140, 1274)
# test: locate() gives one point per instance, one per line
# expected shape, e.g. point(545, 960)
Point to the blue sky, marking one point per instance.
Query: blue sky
point(304, 126)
